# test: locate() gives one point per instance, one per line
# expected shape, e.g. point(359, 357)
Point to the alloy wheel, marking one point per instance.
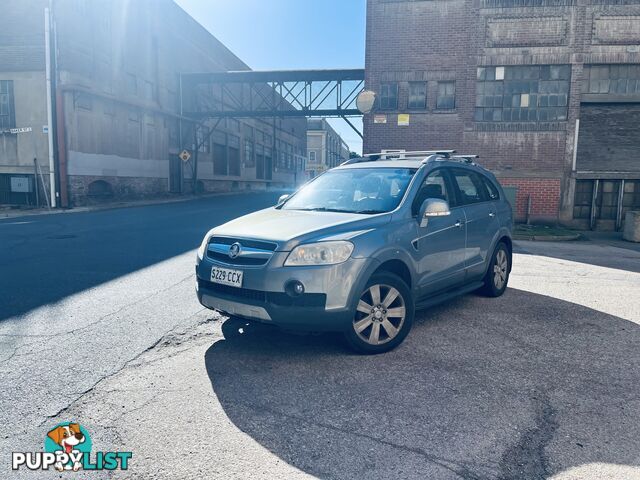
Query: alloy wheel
point(500, 269)
point(380, 314)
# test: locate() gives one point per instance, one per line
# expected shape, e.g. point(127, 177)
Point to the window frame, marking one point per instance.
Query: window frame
point(448, 184)
point(384, 100)
point(484, 197)
point(423, 104)
point(11, 115)
point(488, 186)
point(438, 96)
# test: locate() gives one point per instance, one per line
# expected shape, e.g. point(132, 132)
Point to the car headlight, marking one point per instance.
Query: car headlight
point(203, 246)
point(321, 253)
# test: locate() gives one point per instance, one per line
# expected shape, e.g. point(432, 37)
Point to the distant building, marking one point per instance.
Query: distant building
point(325, 148)
point(547, 92)
point(116, 103)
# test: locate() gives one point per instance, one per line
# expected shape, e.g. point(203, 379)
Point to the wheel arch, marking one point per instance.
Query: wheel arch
point(397, 267)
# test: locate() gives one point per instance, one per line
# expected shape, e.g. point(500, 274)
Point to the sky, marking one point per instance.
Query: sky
point(288, 35)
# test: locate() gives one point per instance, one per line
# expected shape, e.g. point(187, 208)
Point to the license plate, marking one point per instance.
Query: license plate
point(225, 276)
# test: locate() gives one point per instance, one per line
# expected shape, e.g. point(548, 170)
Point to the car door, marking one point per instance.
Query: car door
point(482, 222)
point(439, 247)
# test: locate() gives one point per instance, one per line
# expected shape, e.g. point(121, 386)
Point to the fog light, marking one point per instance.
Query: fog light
point(294, 288)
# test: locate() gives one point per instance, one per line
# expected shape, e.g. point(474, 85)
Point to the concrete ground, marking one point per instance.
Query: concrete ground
point(540, 383)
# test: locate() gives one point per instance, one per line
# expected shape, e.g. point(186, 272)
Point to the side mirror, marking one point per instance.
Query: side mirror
point(282, 199)
point(432, 207)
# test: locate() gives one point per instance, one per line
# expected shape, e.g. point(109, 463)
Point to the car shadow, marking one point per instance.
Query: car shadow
point(524, 386)
point(584, 251)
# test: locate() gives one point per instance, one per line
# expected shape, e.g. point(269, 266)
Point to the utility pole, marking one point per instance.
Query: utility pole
point(47, 46)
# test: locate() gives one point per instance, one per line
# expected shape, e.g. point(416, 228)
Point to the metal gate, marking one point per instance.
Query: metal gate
point(17, 189)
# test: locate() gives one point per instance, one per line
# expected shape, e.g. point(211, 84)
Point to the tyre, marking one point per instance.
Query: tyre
point(497, 276)
point(383, 316)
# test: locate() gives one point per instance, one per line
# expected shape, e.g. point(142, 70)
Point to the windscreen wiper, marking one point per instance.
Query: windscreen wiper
point(324, 209)
point(370, 212)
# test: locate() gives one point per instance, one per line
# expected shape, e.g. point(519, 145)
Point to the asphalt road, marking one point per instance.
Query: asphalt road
point(99, 324)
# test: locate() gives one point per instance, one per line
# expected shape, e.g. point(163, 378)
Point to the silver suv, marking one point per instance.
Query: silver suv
point(361, 247)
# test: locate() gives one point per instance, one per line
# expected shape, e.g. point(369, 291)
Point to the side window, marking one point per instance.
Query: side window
point(434, 186)
point(492, 191)
point(469, 185)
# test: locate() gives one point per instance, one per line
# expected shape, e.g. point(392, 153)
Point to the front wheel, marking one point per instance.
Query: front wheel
point(383, 316)
point(497, 277)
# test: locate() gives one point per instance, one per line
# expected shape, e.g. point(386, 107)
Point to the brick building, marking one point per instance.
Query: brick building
point(116, 73)
point(325, 148)
point(547, 92)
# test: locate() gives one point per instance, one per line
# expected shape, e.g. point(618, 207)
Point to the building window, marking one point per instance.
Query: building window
point(446, 99)
point(234, 155)
point(389, 96)
point(631, 196)
point(612, 79)
point(132, 84)
point(134, 115)
point(220, 165)
point(149, 91)
point(82, 101)
point(312, 156)
point(582, 199)
point(202, 139)
point(249, 161)
point(607, 199)
point(417, 96)
point(522, 93)
point(7, 115)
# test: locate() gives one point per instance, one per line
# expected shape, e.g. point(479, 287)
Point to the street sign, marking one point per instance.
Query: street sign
point(184, 155)
point(403, 119)
point(20, 130)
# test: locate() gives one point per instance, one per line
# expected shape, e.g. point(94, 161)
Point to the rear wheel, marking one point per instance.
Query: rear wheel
point(497, 277)
point(383, 316)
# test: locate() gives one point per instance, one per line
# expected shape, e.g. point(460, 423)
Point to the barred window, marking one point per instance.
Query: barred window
point(522, 93)
point(7, 115)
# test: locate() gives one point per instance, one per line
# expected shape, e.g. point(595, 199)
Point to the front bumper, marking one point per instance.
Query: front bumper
point(327, 303)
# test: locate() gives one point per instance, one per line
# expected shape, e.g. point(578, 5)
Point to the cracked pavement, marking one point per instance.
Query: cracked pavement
point(540, 383)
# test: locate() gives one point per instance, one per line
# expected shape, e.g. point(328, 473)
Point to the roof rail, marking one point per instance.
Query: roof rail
point(401, 154)
point(466, 158)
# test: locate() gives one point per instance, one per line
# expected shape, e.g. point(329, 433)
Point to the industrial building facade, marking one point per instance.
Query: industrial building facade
point(116, 68)
point(325, 148)
point(547, 92)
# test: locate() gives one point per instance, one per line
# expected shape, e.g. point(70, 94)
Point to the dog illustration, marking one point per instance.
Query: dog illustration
point(67, 437)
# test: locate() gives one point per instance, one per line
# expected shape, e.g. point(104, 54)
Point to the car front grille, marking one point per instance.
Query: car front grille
point(262, 251)
point(259, 244)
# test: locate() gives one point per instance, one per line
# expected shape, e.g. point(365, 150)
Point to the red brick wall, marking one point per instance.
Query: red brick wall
point(544, 193)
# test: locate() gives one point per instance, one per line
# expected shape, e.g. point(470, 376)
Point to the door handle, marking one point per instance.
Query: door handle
point(492, 214)
point(458, 224)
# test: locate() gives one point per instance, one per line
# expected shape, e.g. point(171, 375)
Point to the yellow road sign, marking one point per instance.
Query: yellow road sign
point(184, 155)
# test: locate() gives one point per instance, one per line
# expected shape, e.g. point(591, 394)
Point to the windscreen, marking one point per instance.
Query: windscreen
point(354, 190)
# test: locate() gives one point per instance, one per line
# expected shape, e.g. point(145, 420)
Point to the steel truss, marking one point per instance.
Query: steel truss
point(296, 93)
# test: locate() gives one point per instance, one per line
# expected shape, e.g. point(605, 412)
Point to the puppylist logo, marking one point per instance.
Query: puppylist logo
point(67, 446)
